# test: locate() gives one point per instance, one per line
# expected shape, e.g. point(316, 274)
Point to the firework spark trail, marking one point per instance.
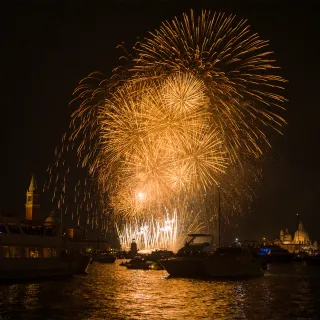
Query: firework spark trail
point(238, 74)
point(192, 112)
point(165, 233)
point(159, 137)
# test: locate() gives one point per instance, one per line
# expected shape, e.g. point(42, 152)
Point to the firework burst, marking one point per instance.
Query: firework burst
point(168, 232)
point(238, 73)
point(192, 112)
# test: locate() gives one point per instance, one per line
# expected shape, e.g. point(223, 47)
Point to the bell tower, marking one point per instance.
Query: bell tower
point(33, 201)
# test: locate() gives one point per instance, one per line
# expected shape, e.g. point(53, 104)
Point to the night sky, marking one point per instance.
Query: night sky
point(47, 47)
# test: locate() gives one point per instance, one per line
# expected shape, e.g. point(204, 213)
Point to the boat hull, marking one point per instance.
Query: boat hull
point(183, 267)
point(107, 260)
point(238, 269)
point(83, 263)
point(209, 268)
point(138, 267)
point(36, 268)
point(276, 259)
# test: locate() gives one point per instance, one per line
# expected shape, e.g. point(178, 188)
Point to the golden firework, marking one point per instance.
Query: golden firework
point(193, 111)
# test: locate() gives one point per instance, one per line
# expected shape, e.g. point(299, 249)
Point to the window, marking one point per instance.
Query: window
point(49, 252)
point(6, 251)
point(34, 253)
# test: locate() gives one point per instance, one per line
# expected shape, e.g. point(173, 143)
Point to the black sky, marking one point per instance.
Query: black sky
point(49, 46)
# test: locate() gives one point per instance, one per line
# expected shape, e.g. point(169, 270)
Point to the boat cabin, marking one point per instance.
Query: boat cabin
point(198, 243)
point(235, 253)
point(28, 239)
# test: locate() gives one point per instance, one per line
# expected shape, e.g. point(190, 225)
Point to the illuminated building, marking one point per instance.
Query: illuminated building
point(34, 224)
point(299, 242)
point(32, 201)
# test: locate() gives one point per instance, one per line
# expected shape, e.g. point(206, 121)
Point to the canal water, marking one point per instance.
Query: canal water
point(111, 291)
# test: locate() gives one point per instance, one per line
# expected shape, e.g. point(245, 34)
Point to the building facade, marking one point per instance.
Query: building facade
point(32, 201)
point(300, 240)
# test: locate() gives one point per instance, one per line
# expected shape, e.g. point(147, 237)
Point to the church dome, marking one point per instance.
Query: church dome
point(301, 235)
point(287, 236)
point(51, 220)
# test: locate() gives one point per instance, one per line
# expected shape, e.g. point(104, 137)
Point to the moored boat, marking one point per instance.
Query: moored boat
point(274, 254)
point(139, 262)
point(198, 258)
point(29, 251)
point(106, 257)
point(232, 262)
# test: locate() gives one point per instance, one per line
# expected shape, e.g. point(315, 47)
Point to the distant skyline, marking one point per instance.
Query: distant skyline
point(49, 47)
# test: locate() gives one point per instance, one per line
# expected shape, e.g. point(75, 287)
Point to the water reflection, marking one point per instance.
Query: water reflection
point(114, 292)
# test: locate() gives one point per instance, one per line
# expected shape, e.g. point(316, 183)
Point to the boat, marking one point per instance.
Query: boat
point(233, 262)
point(32, 251)
point(274, 254)
point(123, 263)
point(83, 260)
point(139, 262)
point(155, 265)
point(199, 258)
point(157, 255)
point(106, 257)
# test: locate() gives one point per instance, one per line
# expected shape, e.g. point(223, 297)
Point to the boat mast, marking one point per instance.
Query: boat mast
point(298, 232)
point(219, 217)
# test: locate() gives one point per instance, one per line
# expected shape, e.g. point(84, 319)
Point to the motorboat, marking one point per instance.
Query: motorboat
point(188, 260)
point(157, 255)
point(155, 265)
point(106, 257)
point(199, 258)
point(232, 262)
point(139, 262)
point(160, 254)
point(32, 251)
point(148, 261)
point(274, 254)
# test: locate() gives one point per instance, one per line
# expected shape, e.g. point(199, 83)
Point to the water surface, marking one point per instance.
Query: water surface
point(110, 291)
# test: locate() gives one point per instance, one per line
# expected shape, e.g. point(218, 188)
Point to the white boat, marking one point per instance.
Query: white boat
point(198, 258)
point(31, 251)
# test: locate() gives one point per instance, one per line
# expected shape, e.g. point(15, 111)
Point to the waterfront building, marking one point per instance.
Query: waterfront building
point(299, 242)
point(34, 224)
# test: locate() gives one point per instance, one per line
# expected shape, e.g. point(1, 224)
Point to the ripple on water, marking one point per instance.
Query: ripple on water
point(110, 291)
